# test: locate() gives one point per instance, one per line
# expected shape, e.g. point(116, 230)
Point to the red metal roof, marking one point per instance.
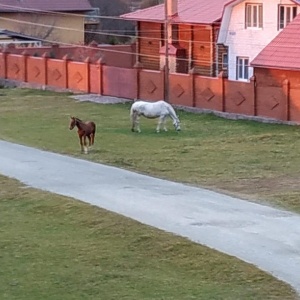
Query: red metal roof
point(49, 5)
point(189, 11)
point(283, 51)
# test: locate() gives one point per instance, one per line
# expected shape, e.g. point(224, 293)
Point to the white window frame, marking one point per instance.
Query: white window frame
point(242, 68)
point(253, 15)
point(286, 13)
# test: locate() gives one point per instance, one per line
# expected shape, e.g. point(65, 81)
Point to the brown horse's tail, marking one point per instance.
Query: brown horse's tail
point(93, 133)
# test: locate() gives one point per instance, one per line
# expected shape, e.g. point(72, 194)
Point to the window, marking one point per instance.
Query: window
point(242, 68)
point(254, 16)
point(162, 35)
point(286, 14)
point(224, 61)
point(174, 33)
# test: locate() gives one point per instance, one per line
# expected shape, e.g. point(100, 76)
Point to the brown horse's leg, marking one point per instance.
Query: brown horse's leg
point(85, 145)
point(93, 138)
point(81, 143)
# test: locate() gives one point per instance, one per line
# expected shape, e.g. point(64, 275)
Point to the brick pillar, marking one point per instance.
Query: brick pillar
point(139, 67)
point(87, 68)
point(286, 90)
point(25, 69)
point(66, 58)
point(221, 77)
point(253, 83)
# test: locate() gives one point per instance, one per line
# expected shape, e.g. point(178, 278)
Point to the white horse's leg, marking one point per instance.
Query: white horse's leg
point(137, 124)
point(160, 121)
point(164, 123)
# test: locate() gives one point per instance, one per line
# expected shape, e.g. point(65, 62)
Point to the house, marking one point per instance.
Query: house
point(248, 27)
point(277, 71)
point(53, 21)
point(8, 37)
point(192, 29)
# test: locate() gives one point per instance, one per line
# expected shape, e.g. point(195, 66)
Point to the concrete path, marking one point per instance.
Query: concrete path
point(263, 236)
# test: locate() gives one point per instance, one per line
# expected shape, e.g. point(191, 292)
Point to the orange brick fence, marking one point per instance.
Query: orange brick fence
point(254, 98)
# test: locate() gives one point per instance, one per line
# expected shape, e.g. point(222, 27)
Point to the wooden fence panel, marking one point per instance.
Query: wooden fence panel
point(119, 82)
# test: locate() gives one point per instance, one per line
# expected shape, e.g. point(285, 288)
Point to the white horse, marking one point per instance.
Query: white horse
point(153, 110)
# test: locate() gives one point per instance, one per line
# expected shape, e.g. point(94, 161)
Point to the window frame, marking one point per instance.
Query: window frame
point(254, 15)
point(286, 13)
point(224, 61)
point(242, 69)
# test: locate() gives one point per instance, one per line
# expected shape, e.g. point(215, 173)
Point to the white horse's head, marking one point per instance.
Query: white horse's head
point(176, 124)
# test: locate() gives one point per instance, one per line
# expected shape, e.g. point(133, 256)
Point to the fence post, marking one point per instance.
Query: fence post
point(193, 91)
point(45, 57)
point(138, 66)
point(87, 68)
point(5, 53)
point(221, 77)
point(101, 63)
point(25, 63)
point(253, 82)
point(286, 90)
point(66, 58)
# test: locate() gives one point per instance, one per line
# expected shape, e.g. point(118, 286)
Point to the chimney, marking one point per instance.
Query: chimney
point(172, 8)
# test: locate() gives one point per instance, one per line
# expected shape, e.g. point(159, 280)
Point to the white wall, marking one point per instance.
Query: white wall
point(249, 42)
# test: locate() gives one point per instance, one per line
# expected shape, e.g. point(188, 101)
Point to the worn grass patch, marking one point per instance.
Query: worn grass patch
point(52, 247)
point(251, 160)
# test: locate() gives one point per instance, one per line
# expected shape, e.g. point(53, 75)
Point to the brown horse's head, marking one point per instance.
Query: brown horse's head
point(72, 122)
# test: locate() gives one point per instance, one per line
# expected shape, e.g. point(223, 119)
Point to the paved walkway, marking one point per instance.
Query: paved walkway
point(263, 236)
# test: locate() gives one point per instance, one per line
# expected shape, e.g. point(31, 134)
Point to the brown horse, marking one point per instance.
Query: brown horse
point(85, 130)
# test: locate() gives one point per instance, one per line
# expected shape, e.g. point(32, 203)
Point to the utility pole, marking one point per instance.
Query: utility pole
point(166, 70)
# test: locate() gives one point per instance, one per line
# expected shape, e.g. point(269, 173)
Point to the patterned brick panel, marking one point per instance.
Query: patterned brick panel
point(272, 103)
point(119, 82)
point(78, 76)
point(95, 79)
point(15, 67)
point(181, 89)
point(36, 70)
point(151, 85)
point(240, 98)
point(2, 65)
point(295, 104)
point(208, 93)
point(56, 73)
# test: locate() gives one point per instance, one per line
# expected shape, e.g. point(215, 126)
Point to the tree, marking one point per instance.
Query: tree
point(149, 3)
point(111, 30)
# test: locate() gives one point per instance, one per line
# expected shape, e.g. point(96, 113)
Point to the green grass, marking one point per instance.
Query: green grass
point(254, 161)
point(53, 247)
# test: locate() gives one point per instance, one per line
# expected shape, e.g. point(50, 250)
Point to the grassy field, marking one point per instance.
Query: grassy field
point(56, 248)
point(251, 160)
point(52, 247)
